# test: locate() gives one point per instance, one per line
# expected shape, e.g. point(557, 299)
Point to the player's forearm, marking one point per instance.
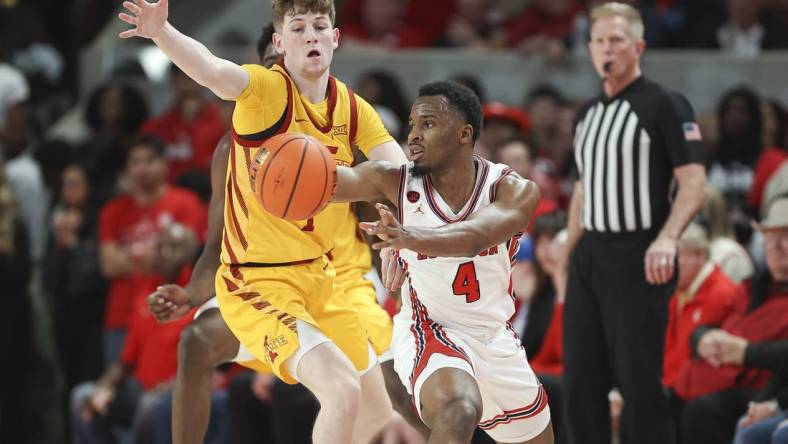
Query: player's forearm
point(218, 75)
point(201, 285)
point(462, 239)
point(686, 205)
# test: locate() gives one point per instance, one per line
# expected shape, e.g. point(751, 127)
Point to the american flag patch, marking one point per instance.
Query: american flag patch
point(691, 131)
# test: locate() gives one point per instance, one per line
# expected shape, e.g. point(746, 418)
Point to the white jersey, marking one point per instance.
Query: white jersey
point(473, 294)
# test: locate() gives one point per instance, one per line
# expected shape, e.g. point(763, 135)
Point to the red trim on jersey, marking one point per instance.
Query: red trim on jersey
point(237, 189)
point(281, 125)
point(248, 159)
point(228, 247)
point(522, 413)
point(403, 174)
point(430, 339)
point(494, 186)
point(353, 116)
point(474, 197)
point(229, 284)
point(235, 271)
point(234, 218)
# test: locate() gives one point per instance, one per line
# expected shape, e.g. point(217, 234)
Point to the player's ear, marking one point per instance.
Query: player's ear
point(278, 46)
point(336, 38)
point(466, 134)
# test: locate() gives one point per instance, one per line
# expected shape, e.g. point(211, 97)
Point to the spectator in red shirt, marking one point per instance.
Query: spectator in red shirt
point(719, 393)
point(704, 296)
point(190, 128)
point(544, 27)
point(394, 23)
point(131, 388)
point(130, 230)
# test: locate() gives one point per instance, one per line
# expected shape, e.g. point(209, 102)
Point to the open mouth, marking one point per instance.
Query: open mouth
point(416, 152)
point(313, 53)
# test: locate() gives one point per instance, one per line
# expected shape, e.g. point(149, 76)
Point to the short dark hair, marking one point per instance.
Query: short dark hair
point(265, 39)
point(545, 91)
point(461, 98)
point(152, 143)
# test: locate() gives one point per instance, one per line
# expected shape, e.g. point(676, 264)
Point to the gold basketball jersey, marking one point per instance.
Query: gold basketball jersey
point(270, 105)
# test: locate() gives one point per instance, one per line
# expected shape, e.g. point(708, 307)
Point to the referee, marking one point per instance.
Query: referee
point(625, 217)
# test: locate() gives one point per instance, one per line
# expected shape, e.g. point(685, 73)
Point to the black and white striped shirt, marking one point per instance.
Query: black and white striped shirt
point(626, 148)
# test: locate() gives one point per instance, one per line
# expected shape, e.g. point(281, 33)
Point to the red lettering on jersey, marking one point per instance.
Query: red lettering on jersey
point(333, 149)
point(272, 355)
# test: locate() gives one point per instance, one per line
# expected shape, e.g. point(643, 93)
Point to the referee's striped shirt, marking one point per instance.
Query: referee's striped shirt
point(626, 148)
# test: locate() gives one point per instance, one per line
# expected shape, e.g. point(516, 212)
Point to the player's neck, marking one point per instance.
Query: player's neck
point(614, 85)
point(456, 182)
point(313, 88)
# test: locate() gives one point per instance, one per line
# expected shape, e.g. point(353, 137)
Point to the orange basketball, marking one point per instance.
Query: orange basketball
point(294, 176)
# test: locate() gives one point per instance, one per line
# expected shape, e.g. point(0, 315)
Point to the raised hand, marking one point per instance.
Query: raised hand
point(168, 303)
point(148, 19)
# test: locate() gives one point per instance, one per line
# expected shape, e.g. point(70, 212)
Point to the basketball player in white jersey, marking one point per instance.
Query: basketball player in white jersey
point(459, 220)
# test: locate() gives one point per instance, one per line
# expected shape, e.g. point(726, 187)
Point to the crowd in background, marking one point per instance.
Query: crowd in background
point(89, 228)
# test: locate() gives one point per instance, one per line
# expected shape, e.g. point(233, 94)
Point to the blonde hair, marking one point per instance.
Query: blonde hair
point(715, 211)
point(281, 8)
point(627, 12)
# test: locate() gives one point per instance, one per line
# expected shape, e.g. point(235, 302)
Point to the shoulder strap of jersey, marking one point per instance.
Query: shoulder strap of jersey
point(353, 115)
point(281, 125)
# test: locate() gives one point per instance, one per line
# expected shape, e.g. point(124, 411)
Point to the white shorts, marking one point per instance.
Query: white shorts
point(514, 403)
point(308, 336)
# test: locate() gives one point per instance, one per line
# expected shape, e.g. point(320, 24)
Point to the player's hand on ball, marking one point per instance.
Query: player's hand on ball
point(168, 303)
point(388, 229)
point(148, 19)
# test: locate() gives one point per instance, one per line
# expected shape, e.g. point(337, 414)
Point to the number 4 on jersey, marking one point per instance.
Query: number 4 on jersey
point(466, 284)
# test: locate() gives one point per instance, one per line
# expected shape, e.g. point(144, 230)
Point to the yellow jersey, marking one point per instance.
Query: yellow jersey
point(271, 104)
point(351, 255)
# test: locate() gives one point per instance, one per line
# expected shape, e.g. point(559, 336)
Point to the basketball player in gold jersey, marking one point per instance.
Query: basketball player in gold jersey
point(275, 283)
point(208, 342)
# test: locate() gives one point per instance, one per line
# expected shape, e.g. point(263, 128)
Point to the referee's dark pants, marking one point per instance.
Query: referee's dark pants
point(614, 334)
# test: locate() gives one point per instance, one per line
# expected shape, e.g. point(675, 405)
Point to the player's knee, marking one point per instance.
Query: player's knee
point(344, 392)
point(194, 347)
point(461, 414)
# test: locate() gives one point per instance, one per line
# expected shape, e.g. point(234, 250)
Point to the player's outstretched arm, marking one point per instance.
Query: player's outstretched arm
point(369, 181)
point(226, 79)
point(170, 302)
point(514, 205)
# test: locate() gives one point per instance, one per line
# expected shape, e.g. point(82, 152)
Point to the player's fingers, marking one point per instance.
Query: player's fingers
point(381, 245)
point(141, 3)
point(391, 270)
point(130, 19)
point(369, 227)
point(134, 9)
point(399, 279)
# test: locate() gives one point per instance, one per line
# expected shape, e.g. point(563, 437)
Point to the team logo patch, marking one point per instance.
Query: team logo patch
point(691, 131)
point(273, 345)
point(340, 130)
point(413, 196)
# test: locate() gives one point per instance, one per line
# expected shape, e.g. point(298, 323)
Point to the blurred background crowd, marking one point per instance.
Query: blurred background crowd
point(103, 197)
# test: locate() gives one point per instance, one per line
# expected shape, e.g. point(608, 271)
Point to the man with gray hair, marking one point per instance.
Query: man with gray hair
point(633, 143)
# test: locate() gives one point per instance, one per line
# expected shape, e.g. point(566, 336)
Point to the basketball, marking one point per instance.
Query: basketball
point(293, 176)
